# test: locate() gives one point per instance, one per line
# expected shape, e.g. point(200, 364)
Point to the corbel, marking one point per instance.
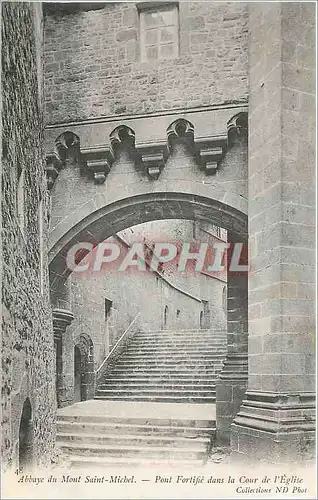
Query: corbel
point(210, 151)
point(62, 318)
point(98, 161)
point(153, 157)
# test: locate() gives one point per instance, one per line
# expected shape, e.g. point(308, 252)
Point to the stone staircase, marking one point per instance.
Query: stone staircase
point(165, 366)
point(154, 407)
point(94, 439)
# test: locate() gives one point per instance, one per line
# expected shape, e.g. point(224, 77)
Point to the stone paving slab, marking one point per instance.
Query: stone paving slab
point(133, 409)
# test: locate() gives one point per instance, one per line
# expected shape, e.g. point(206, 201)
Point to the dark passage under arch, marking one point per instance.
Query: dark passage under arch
point(26, 437)
point(84, 377)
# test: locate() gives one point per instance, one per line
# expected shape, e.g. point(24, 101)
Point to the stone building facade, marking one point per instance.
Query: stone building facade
point(93, 64)
point(148, 108)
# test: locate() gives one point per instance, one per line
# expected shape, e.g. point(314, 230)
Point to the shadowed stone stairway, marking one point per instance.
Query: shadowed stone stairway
point(165, 366)
point(155, 405)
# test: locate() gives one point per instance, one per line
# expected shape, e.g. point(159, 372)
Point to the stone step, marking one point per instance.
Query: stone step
point(163, 379)
point(178, 337)
point(197, 368)
point(166, 363)
point(105, 432)
point(159, 399)
point(66, 426)
point(96, 463)
point(132, 440)
point(150, 452)
point(169, 375)
point(109, 384)
point(181, 346)
point(198, 331)
point(154, 392)
point(158, 421)
point(194, 340)
point(150, 371)
point(131, 356)
point(164, 350)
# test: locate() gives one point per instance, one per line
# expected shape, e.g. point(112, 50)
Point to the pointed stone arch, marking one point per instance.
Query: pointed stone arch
point(66, 143)
point(26, 452)
point(180, 128)
point(237, 128)
point(122, 136)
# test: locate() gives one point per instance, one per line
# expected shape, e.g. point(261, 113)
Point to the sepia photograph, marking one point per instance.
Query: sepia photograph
point(158, 250)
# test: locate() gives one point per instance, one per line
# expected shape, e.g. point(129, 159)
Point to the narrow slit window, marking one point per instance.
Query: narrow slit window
point(108, 307)
point(40, 233)
point(20, 199)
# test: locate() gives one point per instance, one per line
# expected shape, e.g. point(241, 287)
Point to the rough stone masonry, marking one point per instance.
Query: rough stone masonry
point(28, 359)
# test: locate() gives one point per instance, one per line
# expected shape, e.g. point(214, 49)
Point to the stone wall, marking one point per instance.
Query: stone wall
point(27, 336)
point(276, 421)
point(93, 67)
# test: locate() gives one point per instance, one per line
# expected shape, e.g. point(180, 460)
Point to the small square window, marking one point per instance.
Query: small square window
point(159, 33)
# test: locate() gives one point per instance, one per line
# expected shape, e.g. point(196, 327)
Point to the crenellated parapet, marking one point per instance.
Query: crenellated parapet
point(149, 144)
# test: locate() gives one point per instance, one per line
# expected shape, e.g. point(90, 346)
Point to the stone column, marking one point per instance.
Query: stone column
point(61, 320)
point(60, 290)
point(276, 420)
point(232, 382)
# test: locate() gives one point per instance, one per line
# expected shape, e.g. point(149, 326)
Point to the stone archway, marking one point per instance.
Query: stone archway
point(78, 374)
point(84, 375)
point(26, 437)
point(102, 223)
point(211, 186)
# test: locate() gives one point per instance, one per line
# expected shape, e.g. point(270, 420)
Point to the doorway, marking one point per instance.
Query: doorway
point(84, 375)
point(165, 317)
point(26, 438)
point(77, 375)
